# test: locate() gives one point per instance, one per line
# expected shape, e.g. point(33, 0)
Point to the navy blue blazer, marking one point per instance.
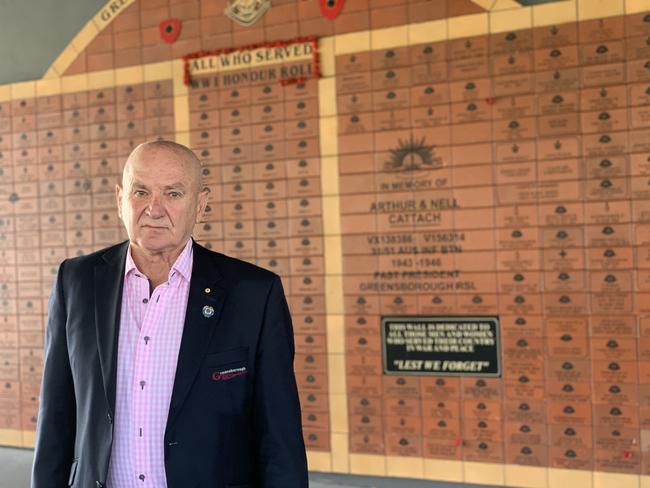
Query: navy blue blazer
point(240, 432)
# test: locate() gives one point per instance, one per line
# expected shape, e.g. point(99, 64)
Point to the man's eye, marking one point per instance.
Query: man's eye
point(140, 193)
point(175, 194)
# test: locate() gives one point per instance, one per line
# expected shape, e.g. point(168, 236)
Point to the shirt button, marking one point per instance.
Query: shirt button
point(145, 300)
point(141, 477)
point(142, 383)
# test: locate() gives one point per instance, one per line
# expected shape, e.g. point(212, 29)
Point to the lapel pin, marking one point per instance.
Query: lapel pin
point(208, 311)
point(207, 290)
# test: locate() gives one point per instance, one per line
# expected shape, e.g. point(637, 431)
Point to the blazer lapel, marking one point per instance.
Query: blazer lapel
point(109, 280)
point(204, 305)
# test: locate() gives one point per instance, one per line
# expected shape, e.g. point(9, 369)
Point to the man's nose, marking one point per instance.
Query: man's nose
point(155, 207)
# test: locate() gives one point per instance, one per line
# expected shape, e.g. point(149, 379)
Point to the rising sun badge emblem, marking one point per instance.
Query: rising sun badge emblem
point(412, 155)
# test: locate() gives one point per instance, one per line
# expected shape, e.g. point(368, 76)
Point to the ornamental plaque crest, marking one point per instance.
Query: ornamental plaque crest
point(247, 12)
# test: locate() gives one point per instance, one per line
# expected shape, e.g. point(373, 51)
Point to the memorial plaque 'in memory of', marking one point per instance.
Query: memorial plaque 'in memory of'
point(441, 346)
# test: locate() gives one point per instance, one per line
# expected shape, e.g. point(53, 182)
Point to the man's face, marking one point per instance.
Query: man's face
point(159, 200)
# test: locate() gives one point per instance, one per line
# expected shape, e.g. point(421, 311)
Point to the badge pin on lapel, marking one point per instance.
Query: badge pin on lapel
point(208, 311)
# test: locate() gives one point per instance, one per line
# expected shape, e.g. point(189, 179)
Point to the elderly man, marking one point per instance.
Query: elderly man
point(167, 364)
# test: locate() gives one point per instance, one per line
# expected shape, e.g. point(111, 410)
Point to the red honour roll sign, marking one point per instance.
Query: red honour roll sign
point(331, 8)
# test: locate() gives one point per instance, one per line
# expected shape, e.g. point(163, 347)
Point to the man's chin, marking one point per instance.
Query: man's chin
point(154, 246)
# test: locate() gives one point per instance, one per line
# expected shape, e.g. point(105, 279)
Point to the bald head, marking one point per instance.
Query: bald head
point(181, 153)
point(161, 197)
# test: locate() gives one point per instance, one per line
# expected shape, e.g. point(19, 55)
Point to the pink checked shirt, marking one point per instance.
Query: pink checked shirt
point(151, 328)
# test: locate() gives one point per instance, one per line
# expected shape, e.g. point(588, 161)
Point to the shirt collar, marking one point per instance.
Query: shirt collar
point(182, 265)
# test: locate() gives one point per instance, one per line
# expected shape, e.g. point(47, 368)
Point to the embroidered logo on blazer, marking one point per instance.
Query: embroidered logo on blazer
point(229, 374)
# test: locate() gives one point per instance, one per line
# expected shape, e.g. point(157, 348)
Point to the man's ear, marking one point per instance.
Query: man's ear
point(118, 200)
point(202, 203)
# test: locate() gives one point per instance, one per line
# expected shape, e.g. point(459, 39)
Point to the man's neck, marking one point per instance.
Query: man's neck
point(155, 266)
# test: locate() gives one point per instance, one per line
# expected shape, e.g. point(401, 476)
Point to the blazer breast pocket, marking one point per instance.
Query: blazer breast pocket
point(226, 375)
point(226, 357)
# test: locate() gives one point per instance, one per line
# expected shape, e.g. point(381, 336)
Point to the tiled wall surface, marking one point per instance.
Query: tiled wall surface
point(60, 160)
point(457, 158)
point(519, 191)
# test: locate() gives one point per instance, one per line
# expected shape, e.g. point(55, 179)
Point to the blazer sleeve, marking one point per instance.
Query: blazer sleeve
point(56, 425)
point(277, 425)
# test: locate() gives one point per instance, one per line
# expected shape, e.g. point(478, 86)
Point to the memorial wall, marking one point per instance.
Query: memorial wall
point(456, 194)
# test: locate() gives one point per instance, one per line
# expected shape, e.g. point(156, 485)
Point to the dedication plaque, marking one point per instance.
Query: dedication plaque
point(441, 346)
